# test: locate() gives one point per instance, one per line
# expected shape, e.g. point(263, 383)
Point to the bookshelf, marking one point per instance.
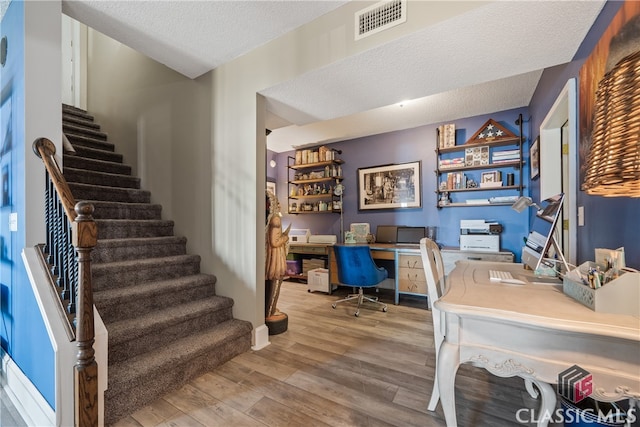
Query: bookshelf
point(486, 170)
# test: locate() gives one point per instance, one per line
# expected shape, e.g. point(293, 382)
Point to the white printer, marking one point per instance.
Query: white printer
point(479, 235)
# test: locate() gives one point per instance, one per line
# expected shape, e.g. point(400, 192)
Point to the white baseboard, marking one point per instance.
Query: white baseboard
point(260, 337)
point(32, 407)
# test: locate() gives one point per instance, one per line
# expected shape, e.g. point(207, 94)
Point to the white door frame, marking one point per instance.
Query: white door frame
point(559, 129)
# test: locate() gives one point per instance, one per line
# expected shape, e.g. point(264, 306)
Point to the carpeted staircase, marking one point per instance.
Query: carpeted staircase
point(165, 322)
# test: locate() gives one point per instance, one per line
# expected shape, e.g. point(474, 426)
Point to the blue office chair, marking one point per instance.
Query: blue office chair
point(356, 268)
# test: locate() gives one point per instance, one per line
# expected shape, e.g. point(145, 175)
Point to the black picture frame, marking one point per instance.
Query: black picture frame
point(393, 186)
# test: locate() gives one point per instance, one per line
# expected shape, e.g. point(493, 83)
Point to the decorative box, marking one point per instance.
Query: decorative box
point(619, 296)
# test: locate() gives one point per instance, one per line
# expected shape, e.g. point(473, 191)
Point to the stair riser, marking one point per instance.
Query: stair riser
point(111, 311)
point(83, 192)
point(85, 141)
point(125, 230)
point(139, 251)
point(107, 277)
point(163, 334)
point(78, 162)
point(97, 154)
point(123, 211)
point(99, 178)
point(80, 130)
point(149, 386)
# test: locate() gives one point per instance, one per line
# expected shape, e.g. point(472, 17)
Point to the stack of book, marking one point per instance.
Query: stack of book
point(505, 156)
point(446, 135)
point(451, 163)
point(456, 181)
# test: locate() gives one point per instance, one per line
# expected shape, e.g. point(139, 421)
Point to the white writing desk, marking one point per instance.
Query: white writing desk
point(534, 332)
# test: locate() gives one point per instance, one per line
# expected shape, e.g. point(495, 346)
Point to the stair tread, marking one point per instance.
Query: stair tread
point(141, 240)
point(96, 162)
point(133, 328)
point(106, 175)
point(94, 151)
point(176, 352)
point(145, 262)
point(140, 222)
point(106, 187)
point(155, 287)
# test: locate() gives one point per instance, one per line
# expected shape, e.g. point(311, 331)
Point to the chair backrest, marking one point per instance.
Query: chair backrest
point(356, 266)
point(433, 269)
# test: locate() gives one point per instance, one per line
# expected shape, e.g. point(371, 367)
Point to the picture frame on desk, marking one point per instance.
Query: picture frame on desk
point(394, 186)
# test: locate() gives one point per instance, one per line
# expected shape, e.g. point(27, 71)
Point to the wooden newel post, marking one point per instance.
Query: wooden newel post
point(85, 236)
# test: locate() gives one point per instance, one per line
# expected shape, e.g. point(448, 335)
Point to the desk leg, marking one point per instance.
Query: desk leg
point(547, 402)
point(448, 363)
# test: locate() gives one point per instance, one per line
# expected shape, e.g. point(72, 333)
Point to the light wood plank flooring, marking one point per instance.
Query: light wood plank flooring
point(333, 369)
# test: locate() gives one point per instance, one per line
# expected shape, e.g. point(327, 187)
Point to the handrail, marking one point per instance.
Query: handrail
point(71, 225)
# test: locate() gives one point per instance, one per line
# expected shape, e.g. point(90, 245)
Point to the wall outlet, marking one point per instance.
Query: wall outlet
point(13, 221)
point(580, 216)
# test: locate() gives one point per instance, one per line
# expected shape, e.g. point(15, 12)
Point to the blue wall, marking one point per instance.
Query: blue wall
point(22, 331)
point(417, 144)
point(609, 222)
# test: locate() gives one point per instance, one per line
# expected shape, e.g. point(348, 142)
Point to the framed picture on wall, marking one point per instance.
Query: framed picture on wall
point(271, 186)
point(534, 159)
point(390, 186)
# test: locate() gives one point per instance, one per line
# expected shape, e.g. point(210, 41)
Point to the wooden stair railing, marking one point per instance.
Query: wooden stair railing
point(70, 225)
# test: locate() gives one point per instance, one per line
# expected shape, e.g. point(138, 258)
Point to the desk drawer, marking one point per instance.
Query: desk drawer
point(412, 280)
point(312, 250)
point(410, 261)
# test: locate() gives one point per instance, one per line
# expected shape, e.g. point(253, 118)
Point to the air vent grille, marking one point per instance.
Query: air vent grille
point(380, 16)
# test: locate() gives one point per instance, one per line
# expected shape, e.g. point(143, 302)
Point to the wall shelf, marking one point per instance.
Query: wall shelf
point(311, 185)
point(479, 157)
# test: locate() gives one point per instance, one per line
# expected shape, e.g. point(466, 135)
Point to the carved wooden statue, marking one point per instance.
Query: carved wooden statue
point(276, 248)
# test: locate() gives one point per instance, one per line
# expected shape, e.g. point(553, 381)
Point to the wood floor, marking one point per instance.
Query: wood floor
point(333, 369)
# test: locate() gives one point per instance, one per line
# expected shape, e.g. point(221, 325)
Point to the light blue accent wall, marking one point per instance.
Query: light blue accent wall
point(22, 333)
point(417, 144)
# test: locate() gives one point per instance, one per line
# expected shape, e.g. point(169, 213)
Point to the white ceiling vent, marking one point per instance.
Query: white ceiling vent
point(380, 16)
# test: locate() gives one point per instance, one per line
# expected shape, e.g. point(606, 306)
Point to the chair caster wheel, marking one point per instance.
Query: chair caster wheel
point(384, 308)
point(357, 314)
point(334, 306)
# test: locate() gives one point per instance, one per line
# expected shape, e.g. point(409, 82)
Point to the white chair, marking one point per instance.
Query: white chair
point(436, 287)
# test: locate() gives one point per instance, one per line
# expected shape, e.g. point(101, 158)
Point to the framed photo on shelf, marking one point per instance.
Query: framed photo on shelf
point(491, 179)
point(534, 162)
point(390, 186)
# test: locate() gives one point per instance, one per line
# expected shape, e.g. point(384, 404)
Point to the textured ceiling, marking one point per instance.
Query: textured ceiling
point(486, 58)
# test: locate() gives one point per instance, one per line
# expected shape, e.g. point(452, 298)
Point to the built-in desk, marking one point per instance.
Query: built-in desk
point(403, 261)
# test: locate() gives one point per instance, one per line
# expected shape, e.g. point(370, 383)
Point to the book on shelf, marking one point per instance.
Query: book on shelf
point(447, 135)
point(451, 163)
point(456, 181)
point(498, 161)
point(506, 153)
point(503, 199)
point(478, 201)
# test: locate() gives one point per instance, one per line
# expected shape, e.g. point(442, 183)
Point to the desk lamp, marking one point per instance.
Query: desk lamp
point(522, 203)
